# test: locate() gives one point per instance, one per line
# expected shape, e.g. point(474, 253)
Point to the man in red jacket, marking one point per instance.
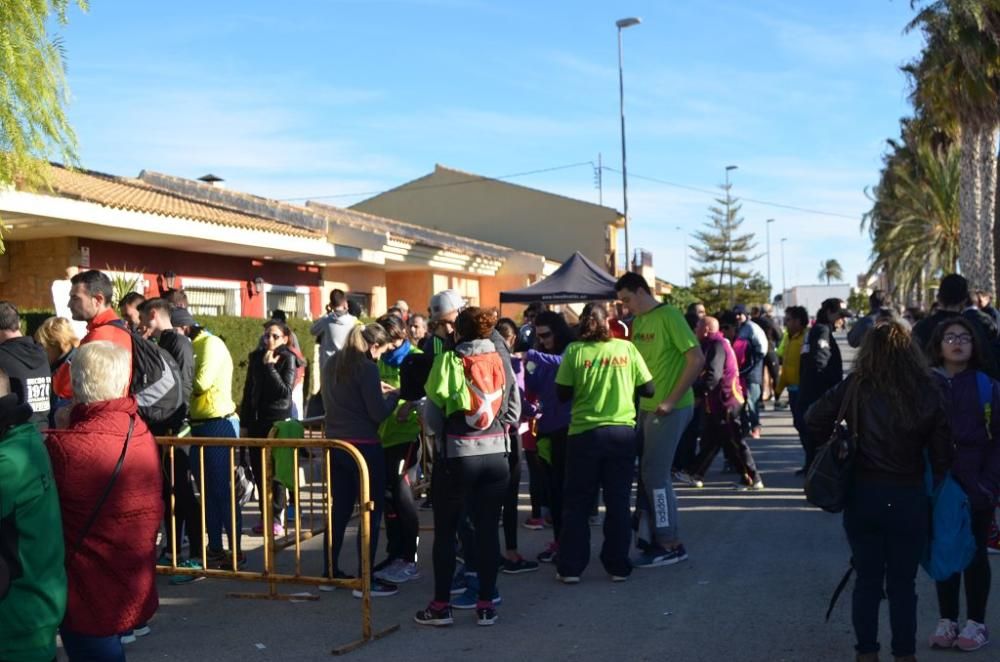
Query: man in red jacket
point(91, 299)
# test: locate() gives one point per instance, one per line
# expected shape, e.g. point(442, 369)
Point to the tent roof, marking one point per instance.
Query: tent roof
point(577, 279)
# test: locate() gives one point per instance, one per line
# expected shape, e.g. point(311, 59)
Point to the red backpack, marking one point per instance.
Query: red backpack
point(484, 375)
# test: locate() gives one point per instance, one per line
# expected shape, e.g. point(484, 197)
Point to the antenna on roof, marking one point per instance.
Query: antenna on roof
point(212, 180)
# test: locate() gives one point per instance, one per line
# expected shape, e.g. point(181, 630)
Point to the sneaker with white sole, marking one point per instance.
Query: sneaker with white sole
point(567, 579)
point(551, 553)
point(972, 637)
point(684, 478)
point(945, 634)
point(380, 589)
point(486, 616)
point(432, 616)
point(657, 557)
point(470, 598)
point(398, 572)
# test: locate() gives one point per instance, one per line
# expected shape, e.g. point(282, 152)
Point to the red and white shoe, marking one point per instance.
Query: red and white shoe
point(972, 637)
point(945, 634)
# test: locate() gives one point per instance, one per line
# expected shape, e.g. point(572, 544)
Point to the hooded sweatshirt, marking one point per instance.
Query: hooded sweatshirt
point(332, 331)
point(27, 365)
point(719, 382)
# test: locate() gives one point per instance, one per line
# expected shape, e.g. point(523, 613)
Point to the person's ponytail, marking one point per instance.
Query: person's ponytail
point(355, 350)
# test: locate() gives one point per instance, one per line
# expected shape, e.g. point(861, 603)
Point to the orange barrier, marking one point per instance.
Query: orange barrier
point(270, 575)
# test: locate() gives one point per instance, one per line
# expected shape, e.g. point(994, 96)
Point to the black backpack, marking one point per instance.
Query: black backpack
point(156, 382)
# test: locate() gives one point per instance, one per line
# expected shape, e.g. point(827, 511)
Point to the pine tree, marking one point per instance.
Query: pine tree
point(725, 256)
point(33, 122)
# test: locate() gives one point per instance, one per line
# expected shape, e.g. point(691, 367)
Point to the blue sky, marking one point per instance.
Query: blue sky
point(316, 99)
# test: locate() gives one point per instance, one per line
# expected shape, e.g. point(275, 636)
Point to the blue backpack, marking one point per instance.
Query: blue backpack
point(952, 545)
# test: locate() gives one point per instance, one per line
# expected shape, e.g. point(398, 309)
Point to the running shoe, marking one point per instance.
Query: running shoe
point(469, 599)
point(224, 560)
point(755, 486)
point(192, 564)
point(486, 616)
point(534, 523)
point(130, 636)
point(755, 433)
point(330, 588)
point(380, 589)
point(945, 634)
point(551, 553)
point(972, 637)
point(658, 556)
point(460, 582)
point(278, 530)
point(398, 572)
point(567, 579)
point(520, 566)
point(619, 578)
point(684, 477)
point(432, 616)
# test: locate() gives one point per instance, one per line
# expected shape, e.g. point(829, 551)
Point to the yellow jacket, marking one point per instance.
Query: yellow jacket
point(791, 356)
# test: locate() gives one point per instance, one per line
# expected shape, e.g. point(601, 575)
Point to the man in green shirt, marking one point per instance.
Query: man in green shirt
point(675, 359)
point(32, 573)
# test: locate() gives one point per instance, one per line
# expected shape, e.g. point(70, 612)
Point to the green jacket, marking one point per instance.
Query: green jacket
point(392, 432)
point(31, 543)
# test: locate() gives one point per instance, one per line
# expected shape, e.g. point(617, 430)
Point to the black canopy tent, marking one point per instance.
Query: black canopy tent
point(577, 279)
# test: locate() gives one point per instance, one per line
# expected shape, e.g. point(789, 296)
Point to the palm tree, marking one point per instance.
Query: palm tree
point(831, 270)
point(956, 82)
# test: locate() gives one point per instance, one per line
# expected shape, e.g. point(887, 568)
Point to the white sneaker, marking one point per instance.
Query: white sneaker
point(945, 634)
point(973, 636)
point(398, 572)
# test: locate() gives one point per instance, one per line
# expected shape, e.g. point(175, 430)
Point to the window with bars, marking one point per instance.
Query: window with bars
point(212, 300)
point(286, 300)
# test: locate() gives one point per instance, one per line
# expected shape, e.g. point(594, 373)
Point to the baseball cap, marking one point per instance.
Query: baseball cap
point(835, 308)
point(446, 302)
point(740, 309)
point(181, 317)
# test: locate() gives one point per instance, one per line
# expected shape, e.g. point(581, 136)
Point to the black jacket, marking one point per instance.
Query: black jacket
point(267, 393)
point(889, 450)
point(27, 365)
point(820, 367)
point(180, 347)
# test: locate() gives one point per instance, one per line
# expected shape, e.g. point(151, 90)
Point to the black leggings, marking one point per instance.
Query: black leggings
point(481, 482)
point(513, 492)
point(537, 483)
point(556, 477)
point(187, 510)
point(402, 523)
point(977, 576)
point(721, 431)
point(279, 500)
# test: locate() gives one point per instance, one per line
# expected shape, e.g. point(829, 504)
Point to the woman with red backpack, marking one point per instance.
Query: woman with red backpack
point(971, 397)
point(467, 390)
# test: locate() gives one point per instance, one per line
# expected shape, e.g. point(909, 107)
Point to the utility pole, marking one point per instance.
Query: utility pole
point(599, 180)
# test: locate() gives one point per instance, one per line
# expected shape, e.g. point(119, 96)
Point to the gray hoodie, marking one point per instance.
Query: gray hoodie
point(332, 330)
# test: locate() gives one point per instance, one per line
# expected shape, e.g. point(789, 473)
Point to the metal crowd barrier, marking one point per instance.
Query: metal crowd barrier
point(270, 575)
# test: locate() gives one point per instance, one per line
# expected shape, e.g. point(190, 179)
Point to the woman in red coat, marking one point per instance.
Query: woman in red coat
point(110, 548)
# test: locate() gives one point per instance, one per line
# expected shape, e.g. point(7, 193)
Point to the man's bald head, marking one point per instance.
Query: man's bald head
point(707, 325)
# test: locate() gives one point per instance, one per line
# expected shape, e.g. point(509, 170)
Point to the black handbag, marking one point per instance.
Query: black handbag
point(828, 480)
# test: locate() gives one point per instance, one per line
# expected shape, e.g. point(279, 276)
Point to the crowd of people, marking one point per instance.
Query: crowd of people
point(635, 393)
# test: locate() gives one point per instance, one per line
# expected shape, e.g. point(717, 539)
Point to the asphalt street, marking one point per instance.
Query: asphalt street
point(761, 570)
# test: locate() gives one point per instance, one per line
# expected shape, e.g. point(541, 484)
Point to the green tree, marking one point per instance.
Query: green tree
point(33, 91)
point(956, 84)
point(724, 254)
point(831, 270)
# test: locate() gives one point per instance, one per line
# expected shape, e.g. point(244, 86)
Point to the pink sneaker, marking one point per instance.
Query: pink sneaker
point(278, 530)
point(945, 634)
point(534, 523)
point(973, 637)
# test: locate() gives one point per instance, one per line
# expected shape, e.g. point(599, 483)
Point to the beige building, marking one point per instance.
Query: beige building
point(502, 213)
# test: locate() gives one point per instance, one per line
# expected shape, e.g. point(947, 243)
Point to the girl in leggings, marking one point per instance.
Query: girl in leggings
point(467, 391)
point(956, 353)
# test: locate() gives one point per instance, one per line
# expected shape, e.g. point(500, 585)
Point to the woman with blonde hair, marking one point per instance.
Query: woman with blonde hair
point(57, 337)
point(897, 416)
point(356, 402)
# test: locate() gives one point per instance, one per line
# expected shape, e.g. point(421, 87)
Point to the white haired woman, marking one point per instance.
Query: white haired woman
point(108, 474)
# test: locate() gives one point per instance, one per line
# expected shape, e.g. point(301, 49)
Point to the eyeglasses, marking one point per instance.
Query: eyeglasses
point(957, 338)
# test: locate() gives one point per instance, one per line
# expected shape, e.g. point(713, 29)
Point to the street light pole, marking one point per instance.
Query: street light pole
point(622, 24)
point(767, 228)
point(684, 237)
point(783, 290)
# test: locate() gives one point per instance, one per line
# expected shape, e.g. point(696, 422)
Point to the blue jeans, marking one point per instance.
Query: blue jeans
point(887, 526)
point(218, 506)
point(753, 399)
point(602, 458)
point(83, 648)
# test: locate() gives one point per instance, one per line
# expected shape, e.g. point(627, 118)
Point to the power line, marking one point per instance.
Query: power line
point(765, 203)
point(474, 179)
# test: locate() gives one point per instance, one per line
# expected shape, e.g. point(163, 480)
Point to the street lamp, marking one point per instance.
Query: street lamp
point(728, 169)
point(783, 240)
point(767, 229)
point(623, 23)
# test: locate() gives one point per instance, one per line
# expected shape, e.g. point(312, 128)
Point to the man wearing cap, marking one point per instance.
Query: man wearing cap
point(752, 370)
point(820, 368)
point(165, 325)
